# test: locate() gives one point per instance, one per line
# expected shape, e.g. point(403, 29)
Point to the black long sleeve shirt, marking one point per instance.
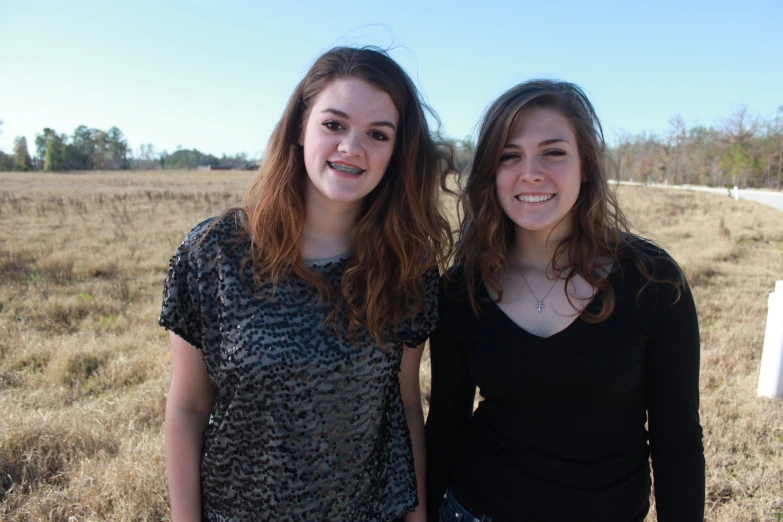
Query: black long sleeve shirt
point(560, 434)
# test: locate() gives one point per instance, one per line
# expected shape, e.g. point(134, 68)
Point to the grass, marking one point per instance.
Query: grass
point(84, 368)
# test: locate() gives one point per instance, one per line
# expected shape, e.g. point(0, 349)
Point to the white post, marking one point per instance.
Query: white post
point(736, 192)
point(771, 374)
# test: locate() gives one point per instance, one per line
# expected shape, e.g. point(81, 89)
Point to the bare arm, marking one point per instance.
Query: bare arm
point(414, 416)
point(188, 407)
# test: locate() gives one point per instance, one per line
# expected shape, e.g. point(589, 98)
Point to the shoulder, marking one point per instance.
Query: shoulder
point(453, 295)
point(649, 273)
point(414, 331)
point(214, 235)
point(197, 234)
point(431, 277)
point(431, 280)
point(648, 260)
point(453, 284)
point(632, 242)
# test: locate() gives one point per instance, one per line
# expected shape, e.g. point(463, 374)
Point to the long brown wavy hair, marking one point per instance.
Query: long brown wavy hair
point(600, 229)
point(401, 231)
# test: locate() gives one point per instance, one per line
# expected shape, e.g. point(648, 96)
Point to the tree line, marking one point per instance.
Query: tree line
point(743, 150)
point(95, 149)
point(85, 149)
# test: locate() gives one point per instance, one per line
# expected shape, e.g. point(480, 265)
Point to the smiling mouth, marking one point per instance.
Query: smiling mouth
point(534, 199)
point(345, 169)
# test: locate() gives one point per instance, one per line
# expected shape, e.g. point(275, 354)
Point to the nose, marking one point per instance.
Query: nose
point(530, 170)
point(351, 144)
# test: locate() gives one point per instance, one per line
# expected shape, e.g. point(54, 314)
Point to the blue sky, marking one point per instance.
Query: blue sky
point(216, 75)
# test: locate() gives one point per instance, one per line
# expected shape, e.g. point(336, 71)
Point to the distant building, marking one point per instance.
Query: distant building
point(214, 167)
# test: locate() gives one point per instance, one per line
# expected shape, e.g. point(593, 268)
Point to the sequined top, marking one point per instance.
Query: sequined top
point(305, 424)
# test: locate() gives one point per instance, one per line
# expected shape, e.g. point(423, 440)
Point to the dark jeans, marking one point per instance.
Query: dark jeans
point(452, 511)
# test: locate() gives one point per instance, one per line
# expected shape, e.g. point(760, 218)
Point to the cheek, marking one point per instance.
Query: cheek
point(305, 137)
point(503, 183)
point(567, 175)
point(317, 144)
point(580, 172)
point(502, 194)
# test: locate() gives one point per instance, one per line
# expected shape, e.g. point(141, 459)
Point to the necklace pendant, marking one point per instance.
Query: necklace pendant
point(540, 307)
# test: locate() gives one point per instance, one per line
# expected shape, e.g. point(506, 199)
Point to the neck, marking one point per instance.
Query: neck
point(327, 228)
point(535, 249)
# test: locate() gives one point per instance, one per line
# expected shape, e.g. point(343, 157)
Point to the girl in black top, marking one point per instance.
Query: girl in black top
point(293, 397)
point(581, 337)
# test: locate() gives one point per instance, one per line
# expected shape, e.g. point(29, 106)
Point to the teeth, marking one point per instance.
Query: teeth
point(534, 199)
point(345, 168)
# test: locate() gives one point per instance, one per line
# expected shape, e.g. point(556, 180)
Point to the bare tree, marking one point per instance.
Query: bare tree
point(777, 131)
point(739, 130)
point(621, 152)
point(674, 139)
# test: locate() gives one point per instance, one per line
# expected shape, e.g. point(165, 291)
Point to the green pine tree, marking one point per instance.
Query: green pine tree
point(55, 152)
point(22, 160)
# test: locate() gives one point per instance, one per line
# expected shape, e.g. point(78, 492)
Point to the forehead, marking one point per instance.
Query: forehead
point(356, 98)
point(541, 122)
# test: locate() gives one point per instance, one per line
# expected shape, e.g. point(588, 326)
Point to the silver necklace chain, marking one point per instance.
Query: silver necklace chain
point(539, 302)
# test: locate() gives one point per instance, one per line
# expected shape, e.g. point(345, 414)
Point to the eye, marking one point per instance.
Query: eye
point(378, 135)
point(333, 125)
point(554, 152)
point(508, 156)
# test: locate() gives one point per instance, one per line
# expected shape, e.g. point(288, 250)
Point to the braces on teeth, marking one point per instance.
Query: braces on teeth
point(344, 168)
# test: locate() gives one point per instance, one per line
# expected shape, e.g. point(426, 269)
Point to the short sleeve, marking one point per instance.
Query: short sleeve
point(418, 329)
point(181, 310)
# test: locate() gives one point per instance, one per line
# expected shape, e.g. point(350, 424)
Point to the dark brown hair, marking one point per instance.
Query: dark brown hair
point(400, 232)
point(600, 229)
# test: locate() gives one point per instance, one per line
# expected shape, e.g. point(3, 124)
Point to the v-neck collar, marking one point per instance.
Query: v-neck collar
point(576, 324)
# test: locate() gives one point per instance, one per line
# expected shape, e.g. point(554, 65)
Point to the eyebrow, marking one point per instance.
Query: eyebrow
point(543, 143)
point(372, 124)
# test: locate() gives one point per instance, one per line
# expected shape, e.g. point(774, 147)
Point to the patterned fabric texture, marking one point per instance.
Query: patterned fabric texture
point(306, 424)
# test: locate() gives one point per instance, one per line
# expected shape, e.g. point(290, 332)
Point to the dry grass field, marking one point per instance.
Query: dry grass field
point(84, 368)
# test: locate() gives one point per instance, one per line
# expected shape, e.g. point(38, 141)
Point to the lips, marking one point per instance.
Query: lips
point(345, 169)
point(534, 198)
